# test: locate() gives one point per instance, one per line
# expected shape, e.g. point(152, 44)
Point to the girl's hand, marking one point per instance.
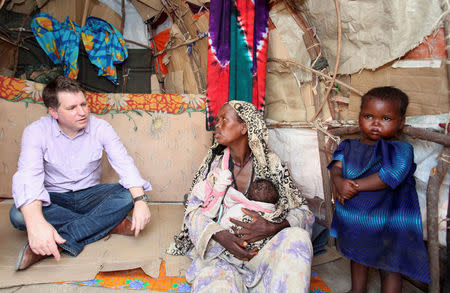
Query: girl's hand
point(235, 245)
point(259, 228)
point(346, 189)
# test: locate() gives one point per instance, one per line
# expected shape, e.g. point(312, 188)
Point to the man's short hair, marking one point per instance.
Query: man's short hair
point(59, 84)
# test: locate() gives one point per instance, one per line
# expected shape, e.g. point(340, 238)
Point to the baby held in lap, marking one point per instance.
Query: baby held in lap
point(262, 197)
point(223, 201)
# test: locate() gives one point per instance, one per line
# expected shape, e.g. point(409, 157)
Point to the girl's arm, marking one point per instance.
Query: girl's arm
point(371, 183)
point(345, 188)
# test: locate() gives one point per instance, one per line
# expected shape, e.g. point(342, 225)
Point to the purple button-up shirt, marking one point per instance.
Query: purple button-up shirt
point(50, 161)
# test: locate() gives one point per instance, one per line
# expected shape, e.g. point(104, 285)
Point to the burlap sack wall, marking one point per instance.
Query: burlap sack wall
point(168, 162)
point(425, 87)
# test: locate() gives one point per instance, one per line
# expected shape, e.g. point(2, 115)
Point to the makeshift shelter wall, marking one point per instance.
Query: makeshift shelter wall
point(426, 88)
point(373, 32)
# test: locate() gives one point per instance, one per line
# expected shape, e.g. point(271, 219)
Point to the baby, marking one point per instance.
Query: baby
point(262, 197)
point(221, 201)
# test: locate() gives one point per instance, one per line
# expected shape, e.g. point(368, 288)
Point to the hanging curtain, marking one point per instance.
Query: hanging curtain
point(237, 54)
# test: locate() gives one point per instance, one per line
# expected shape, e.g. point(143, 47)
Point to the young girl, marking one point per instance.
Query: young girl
point(377, 220)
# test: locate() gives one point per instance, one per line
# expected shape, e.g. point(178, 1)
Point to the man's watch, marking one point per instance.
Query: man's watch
point(143, 197)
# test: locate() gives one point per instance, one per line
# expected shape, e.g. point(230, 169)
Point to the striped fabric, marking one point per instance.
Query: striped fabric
point(237, 54)
point(381, 229)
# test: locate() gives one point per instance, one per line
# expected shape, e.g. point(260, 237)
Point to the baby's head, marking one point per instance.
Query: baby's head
point(382, 113)
point(263, 190)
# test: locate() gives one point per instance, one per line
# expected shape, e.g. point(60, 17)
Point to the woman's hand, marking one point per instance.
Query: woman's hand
point(259, 228)
point(235, 245)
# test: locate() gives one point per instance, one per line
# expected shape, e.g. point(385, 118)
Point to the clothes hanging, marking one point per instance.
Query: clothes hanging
point(58, 40)
point(104, 45)
point(237, 55)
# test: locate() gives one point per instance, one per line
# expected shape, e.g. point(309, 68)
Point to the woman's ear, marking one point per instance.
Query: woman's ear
point(243, 128)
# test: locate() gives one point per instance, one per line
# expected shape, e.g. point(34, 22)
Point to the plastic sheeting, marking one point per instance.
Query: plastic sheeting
point(374, 32)
point(135, 29)
point(425, 155)
point(298, 148)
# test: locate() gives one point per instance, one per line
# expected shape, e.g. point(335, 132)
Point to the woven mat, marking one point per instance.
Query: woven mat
point(138, 280)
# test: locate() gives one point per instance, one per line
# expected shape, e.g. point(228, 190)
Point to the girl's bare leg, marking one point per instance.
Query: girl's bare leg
point(359, 277)
point(390, 282)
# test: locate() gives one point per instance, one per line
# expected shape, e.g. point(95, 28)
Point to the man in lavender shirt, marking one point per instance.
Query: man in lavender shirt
point(58, 197)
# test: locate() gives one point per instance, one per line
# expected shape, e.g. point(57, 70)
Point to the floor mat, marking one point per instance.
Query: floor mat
point(109, 254)
point(138, 280)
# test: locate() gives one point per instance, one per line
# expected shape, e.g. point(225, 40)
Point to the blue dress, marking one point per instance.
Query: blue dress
point(381, 229)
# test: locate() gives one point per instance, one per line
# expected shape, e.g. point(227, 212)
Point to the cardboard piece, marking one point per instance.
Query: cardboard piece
point(173, 82)
point(155, 86)
point(20, 6)
point(60, 9)
point(78, 11)
point(144, 10)
point(7, 51)
point(168, 161)
point(426, 88)
point(291, 36)
point(181, 58)
point(103, 11)
point(116, 253)
point(283, 95)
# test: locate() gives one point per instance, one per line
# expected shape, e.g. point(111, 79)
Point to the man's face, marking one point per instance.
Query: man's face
point(72, 113)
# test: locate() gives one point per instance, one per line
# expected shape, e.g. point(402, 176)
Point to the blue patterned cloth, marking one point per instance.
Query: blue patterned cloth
point(104, 45)
point(59, 41)
point(381, 229)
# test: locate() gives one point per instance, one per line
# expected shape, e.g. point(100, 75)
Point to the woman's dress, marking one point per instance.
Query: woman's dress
point(282, 265)
point(381, 229)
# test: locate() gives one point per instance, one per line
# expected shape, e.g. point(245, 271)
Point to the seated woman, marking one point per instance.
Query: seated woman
point(284, 263)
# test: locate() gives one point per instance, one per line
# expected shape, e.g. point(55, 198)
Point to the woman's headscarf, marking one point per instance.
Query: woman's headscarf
point(266, 164)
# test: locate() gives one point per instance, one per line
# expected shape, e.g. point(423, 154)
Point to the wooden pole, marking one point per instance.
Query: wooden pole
point(324, 171)
point(437, 175)
point(85, 12)
point(414, 132)
point(122, 24)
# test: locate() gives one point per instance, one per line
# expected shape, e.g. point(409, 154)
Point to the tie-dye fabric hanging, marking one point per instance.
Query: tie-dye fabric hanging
point(104, 45)
point(59, 41)
point(237, 55)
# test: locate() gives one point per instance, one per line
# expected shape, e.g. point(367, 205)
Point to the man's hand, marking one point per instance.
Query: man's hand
point(259, 228)
point(141, 217)
point(42, 236)
point(43, 239)
point(235, 245)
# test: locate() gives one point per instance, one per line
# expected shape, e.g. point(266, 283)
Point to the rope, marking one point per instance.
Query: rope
point(447, 11)
point(318, 125)
point(445, 158)
point(338, 57)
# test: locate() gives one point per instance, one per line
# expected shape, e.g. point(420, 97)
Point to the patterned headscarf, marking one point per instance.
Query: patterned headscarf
point(266, 164)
